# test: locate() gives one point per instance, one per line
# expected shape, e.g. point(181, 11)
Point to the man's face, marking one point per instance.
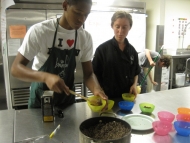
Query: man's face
point(77, 14)
point(161, 64)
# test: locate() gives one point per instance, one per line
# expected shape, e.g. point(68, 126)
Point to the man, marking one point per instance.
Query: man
point(56, 45)
point(146, 60)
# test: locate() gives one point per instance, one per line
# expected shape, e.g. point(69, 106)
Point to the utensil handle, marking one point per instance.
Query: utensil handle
point(79, 95)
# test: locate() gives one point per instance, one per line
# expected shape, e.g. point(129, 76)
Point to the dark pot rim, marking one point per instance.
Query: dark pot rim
point(104, 117)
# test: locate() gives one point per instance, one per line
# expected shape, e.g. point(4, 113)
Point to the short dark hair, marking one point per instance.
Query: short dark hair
point(166, 59)
point(121, 14)
point(74, 2)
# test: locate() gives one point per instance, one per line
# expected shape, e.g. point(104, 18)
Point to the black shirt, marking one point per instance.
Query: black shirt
point(115, 69)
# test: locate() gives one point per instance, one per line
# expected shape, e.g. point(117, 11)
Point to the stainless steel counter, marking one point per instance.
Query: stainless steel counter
point(28, 123)
point(6, 126)
point(180, 56)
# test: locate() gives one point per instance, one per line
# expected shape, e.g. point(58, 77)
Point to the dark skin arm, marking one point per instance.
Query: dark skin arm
point(22, 72)
point(91, 81)
point(54, 82)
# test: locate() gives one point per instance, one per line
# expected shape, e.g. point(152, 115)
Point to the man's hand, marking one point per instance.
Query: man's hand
point(154, 83)
point(152, 63)
point(101, 94)
point(55, 83)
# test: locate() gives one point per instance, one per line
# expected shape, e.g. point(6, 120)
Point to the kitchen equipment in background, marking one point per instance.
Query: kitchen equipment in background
point(19, 90)
point(180, 79)
point(187, 72)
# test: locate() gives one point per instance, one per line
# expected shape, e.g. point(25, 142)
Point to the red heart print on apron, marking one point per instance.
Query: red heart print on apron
point(70, 42)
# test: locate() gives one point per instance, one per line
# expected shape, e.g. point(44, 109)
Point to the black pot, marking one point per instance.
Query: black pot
point(96, 120)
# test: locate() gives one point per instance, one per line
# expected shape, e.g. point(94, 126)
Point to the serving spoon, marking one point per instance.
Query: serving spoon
point(95, 102)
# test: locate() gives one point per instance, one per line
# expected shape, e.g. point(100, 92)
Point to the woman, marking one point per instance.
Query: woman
point(115, 62)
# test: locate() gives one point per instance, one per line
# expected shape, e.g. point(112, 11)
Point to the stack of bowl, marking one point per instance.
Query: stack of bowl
point(164, 125)
point(126, 105)
point(128, 97)
point(100, 108)
point(128, 102)
point(182, 125)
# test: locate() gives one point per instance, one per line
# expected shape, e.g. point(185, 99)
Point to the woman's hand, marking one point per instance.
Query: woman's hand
point(133, 90)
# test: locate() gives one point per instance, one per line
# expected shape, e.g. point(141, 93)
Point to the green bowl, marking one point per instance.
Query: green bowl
point(147, 108)
point(128, 97)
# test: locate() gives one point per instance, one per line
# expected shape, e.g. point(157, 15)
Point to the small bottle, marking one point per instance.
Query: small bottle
point(47, 106)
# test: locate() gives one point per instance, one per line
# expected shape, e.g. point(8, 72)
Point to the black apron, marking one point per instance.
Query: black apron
point(59, 62)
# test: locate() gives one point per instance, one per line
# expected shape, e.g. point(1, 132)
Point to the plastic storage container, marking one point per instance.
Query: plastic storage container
point(180, 79)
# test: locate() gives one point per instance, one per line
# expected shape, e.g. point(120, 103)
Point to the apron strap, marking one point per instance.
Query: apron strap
point(55, 33)
point(75, 39)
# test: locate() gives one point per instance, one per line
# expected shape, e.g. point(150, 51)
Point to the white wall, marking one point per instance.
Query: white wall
point(162, 12)
point(175, 9)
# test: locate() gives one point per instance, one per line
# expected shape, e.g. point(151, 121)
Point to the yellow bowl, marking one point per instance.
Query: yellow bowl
point(138, 89)
point(99, 108)
point(110, 104)
point(128, 96)
point(96, 108)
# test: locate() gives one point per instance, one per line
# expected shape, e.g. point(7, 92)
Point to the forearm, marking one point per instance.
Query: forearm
point(91, 82)
point(26, 74)
point(147, 52)
point(135, 80)
point(150, 77)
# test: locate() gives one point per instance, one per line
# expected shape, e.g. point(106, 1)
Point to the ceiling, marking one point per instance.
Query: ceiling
point(39, 1)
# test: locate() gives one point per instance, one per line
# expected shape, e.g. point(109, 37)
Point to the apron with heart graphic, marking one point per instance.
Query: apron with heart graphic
point(59, 62)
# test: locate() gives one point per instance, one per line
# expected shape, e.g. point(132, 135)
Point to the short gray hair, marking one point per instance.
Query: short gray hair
point(121, 14)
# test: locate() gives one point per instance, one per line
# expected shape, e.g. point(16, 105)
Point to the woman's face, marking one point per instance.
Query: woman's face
point(121, 28)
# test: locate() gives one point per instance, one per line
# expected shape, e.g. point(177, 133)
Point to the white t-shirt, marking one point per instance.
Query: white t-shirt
point(143, 60)
point(40, 37)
